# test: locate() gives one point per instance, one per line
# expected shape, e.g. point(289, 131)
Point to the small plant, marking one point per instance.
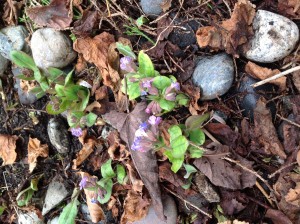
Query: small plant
point(103, 188)
point(25, 195)
point(70, 211)
point(143, 81)
point(64, 94)
point(185, 140)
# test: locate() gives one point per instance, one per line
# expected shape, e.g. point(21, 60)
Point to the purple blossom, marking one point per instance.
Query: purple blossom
point(147, 83)
point(76, 131)
point(127, 64)
point(175, 85)
point(87, 182)
point(146, 136)
point(170, 93)
point(143, 93)
point(94, 200)
point(83, 182)
point(153, 108)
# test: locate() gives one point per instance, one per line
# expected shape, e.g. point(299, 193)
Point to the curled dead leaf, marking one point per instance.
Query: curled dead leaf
point(83, 154)
point(137, 184)
point(57, 14)
point(84, 26)
point(35, 150)
point(289, 8)
point(116, 150)
point(135, 207)
point(230, 35)
point(7, 148)
point(262, 73)
point(95, 209)
point(194, 93)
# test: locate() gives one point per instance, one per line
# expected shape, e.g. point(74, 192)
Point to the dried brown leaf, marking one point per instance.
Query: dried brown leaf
point(83, 154)
point(222, 173)
point(116, 150)
point(262, 73)
point(265, 132)
point(135, 207)
point(7, 149)
point(84, 26)
point(145, 162)
point(11, 12)
point(95, 209)
point(289, 8)
point(35, 150)
point(57, 14)
point(162, 25)
point(278, 217)
point(230, 34)
point(194, 93)
point(293, 196)
point(167, 174)
point(81, 64)
point(166, 5)
point(137, 184)
point(296, 79)
point(98, 51)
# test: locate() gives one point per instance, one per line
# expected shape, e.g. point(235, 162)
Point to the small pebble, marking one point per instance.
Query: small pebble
point(3, 65)
point(250, 96)
point(152, 7)
point(214, 75)
point(25, 96)
point(51, 48)
point(170, 211)
point(29, 218)
point(13, 38)
point(58, 135)
point(56, 192)
point(275, 37)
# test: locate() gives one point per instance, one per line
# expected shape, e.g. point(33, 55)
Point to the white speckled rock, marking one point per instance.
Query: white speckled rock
point(13, 38)
point(274, 38)
point(214, 75)
point(51, 48)
point(151, 7)
point(29, 218)
point(3, 65)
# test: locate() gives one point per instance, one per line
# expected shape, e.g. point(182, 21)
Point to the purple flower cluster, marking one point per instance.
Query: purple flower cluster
point(77, 132)
point(146, 136)
point(90, 182)
point(127, 64)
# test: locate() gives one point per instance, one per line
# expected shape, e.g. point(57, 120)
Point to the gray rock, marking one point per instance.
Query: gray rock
point(86, 214)
point(3, 65)
point(151, 7)
point(54, 220)
point(214, 75)
point(29, 218)
point(56, 192)
point(58, 135)
point(25, 96)
point(170, 211)
point(51, 48)
point(13, 38)
point(274, 38)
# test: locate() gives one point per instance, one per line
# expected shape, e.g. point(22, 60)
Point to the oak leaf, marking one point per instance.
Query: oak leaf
point(7, 149)
point(35, 150)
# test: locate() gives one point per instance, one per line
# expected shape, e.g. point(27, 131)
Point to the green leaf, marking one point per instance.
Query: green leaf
point(69, 79)
point(125, 50)
point(84, 94)
point(54, 73)
point(70, 211)
point(90, 119)
point(133, 89)
point(166, 104)
point(141, 21)
point(189, 170)
point(31, 78)
point(74, 117)
point(71, 92)
point(188, 184)
point(51, 109)
point(23, 60)
point(43, 82)
point(174, 132)
point(195, 152)
point(107, 184)
point(146, 68)
point(38, 92)
point(25, 195)
point(179, 146)
point(59, 90)
point(161, 82)
point(182, 99)
point(176, 162)
point(121, 173)
point(197, 136)
point(2, 209)
point(196, 121)
point(106, 170)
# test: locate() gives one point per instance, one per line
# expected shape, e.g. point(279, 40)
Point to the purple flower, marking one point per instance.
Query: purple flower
point(76, 131)
point(143, 93)
point(175, 85)
point(170, 93)
point(147, 83)
point(83, 182)
point(94, 200)
point(127, 64)
point(87, 182)
point(146, 136)
point(153, 108)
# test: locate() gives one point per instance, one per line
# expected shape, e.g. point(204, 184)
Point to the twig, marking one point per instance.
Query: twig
point(189, 203)
point(289, 121)
point(281, 74)
point(210, 136)
point(282, 168)
point(107, 6)
point(264, 193)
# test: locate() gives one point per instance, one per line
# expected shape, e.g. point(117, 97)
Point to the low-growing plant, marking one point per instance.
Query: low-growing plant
point(64, 94)
point(185, 140)
point(70, 211)
point(144, 81)
point(103, 188)
point(25, 195)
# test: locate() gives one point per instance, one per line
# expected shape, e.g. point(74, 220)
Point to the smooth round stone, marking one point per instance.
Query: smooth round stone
point(170, 211)
point(51, 48)
point(58, 135)
point(25, 97)
point(29, 218)
point(13, 38)
point(214, 75)
point(3, 65)
point(152, 7)
point(274, 37)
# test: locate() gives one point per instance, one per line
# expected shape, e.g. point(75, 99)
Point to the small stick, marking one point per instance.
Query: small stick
point(282, 168)
point(289, 121)
point(210, 136)
point(281, 74)
point(189, 203)
point(262, 190)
